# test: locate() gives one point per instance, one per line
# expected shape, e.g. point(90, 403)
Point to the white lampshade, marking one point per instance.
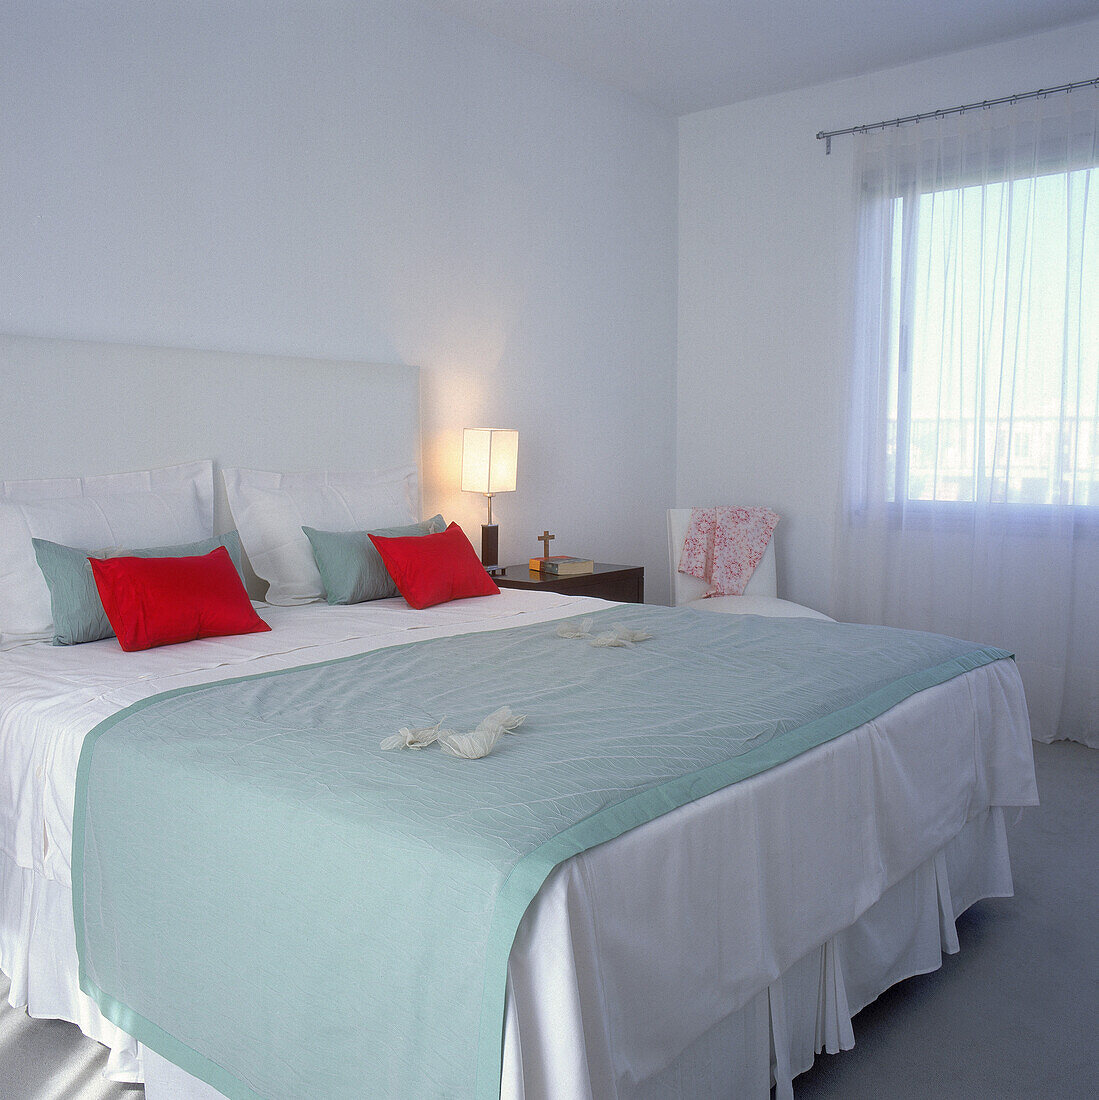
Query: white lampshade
point(490, 457)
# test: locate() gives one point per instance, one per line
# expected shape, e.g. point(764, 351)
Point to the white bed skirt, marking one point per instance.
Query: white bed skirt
point(770, 1038)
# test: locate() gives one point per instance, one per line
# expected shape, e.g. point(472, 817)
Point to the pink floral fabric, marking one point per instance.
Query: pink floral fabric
point(724, 545)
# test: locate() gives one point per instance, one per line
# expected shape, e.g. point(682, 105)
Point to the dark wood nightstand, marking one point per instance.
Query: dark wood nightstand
point(623, 583)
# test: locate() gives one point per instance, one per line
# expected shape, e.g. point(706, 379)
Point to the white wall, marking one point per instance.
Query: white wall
point(362, 180)
point(765, 273)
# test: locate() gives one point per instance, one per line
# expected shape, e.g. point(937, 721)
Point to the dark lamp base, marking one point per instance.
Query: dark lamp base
point(490, 546)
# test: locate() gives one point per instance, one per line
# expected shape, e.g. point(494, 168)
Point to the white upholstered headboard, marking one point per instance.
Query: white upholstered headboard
point(84, 408)
point(763, 582)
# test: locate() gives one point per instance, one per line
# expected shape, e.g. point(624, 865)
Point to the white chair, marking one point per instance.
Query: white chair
point(760, 594)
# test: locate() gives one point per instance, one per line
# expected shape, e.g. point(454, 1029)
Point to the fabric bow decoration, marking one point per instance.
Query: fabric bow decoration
point(618, 635)
point(574, 629)
point(415, 737)
point(470, 746)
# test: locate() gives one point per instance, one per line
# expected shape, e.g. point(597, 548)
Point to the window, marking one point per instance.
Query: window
point(992, 393)
point(971, 474)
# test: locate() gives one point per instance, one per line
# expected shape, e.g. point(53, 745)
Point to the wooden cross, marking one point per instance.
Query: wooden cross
point(545, 538)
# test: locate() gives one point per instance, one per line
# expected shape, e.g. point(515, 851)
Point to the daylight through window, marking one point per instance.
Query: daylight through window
point(993, 388)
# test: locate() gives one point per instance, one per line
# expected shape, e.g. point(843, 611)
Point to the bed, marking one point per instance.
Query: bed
point(654, 963)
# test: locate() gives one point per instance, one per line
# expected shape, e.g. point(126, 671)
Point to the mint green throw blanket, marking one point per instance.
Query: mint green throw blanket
point(272, 902)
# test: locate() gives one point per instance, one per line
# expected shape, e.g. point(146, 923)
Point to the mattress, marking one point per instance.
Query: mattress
point(597, 1004)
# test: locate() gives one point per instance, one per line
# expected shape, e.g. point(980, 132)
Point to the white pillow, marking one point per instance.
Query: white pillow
point(270, 509)
point(144, 508)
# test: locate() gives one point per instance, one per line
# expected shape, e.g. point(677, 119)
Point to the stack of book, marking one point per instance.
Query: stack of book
point(562, 565)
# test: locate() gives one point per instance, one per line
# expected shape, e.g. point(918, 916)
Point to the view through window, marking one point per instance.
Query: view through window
point(994, 352)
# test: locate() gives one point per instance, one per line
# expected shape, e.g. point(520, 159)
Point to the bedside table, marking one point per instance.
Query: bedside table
point(622, 583)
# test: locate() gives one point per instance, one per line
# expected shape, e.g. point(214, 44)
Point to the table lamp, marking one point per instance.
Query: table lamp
point(489, 460)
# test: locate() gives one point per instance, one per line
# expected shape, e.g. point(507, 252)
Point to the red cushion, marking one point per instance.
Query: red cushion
point(161, 601)
point(431, 569)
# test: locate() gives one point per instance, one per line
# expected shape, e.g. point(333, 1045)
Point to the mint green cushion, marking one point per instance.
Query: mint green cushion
point(78, 614)
point(352, 570)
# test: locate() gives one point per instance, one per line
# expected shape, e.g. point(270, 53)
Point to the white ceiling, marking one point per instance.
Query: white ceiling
point(687, 55)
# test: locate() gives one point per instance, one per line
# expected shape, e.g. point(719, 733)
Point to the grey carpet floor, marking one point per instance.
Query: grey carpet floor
point(1014, 1015)
point(51, 1060)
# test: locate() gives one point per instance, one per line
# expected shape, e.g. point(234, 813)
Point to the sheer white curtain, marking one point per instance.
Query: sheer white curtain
point(971, 502)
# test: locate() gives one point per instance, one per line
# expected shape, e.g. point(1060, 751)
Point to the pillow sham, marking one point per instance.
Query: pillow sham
point(351, 568)
point(162, 601)
point(78, 614)
point(270, 509)
point(434, 569)
point(143, 508)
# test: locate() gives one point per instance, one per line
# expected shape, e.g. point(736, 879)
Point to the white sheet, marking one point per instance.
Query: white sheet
point(726, 893)
point(635, 950)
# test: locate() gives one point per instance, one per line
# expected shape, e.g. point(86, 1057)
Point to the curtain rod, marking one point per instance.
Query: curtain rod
point(827, 135)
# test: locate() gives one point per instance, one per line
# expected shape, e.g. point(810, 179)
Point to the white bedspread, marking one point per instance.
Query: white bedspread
point(637, 948)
